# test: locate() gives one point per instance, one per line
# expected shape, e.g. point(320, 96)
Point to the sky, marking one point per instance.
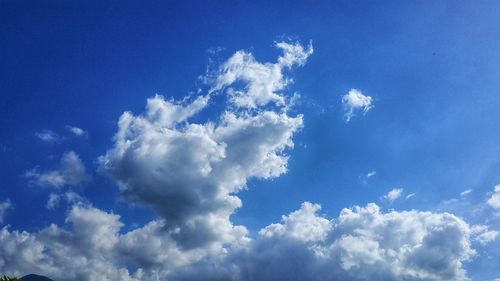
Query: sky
point(250, 140)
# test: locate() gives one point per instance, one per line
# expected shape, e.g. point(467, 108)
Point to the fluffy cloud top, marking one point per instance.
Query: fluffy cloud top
point(394, 194)
point(85, 252)
point(362, 243)
point(262, 81)
point(353, 101)
point(71, 172)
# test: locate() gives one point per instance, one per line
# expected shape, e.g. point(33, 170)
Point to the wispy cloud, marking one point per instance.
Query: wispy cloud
point(48, 136)
point(69, 197)
point(79, 132)
point(71, 172)
point(465, 192)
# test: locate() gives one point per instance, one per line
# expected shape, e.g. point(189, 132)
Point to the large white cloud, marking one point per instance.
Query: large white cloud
point(71, 172)
point(189, 172)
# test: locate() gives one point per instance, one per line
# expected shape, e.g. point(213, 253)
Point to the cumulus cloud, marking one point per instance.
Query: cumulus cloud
point(371, 174)
point(71, 172)
point(48, 136)
point(494, 200)
point(85, 252)
point(190, 172)
point(355, 101)
point(79, 132)
point(4, 206)
point(363, 243)
point(394, 194)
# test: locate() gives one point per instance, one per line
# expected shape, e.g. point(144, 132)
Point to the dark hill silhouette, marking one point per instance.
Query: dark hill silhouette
point(34, 277)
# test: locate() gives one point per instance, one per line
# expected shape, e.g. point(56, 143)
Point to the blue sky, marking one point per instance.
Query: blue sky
point(430, 127)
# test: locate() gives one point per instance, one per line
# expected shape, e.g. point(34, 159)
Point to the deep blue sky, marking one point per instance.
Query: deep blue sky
point(432, 69)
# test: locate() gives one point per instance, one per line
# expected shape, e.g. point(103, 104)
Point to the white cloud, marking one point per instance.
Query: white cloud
point(394, 194)
point(465, 192)
point(262, 81)
point(487, 237)
point(71, 172)
point(363, 243)
point(371, 174)
point(190, 172)
point(353, 101)
point(85, 252)
point(48, 136)
point(494, 200)
point(4, 206)
point(79, 132)
point(303, 224)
